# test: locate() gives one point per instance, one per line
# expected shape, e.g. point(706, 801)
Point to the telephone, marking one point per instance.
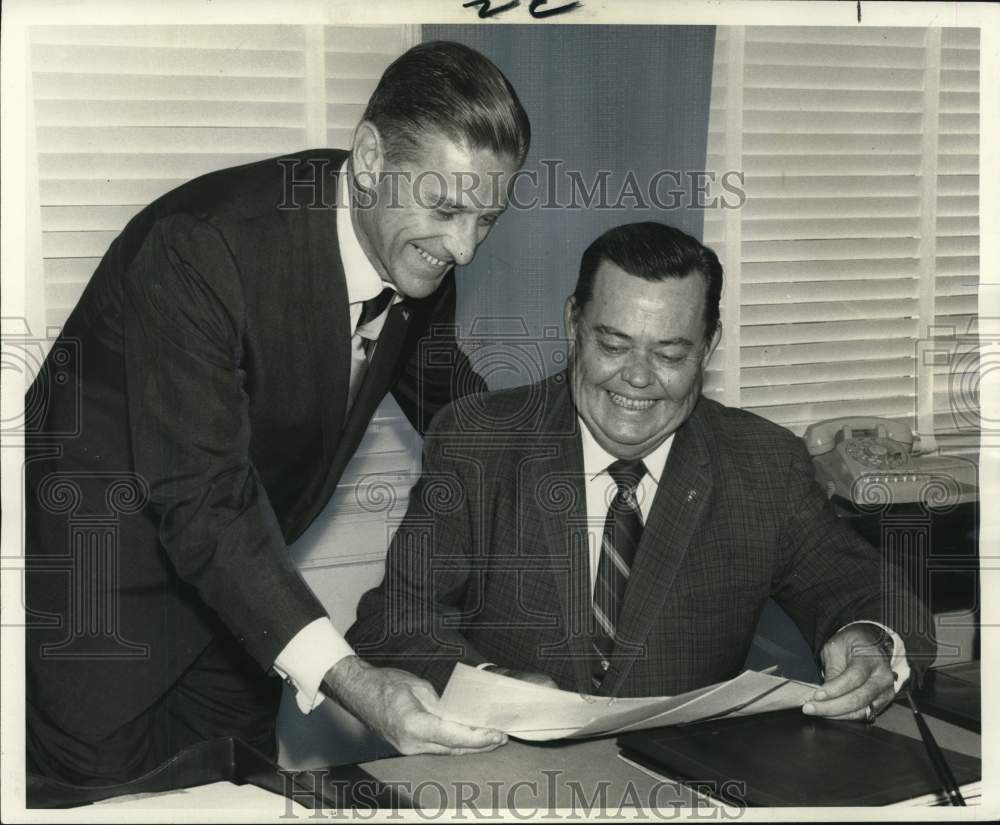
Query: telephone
point(868, 460)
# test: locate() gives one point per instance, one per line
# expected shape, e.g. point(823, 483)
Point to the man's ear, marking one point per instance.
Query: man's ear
point(716, 337)
point(569, 319)
point(367, 154)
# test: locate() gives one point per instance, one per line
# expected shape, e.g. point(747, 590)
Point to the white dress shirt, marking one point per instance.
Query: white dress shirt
point(601, 489)
point(318, 646)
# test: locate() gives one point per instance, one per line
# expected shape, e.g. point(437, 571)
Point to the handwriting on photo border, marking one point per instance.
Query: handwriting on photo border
point(538, 9)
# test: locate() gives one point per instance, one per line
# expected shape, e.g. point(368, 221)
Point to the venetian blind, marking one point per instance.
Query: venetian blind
point(955, 340)
point(125, 113)
point(859, 231)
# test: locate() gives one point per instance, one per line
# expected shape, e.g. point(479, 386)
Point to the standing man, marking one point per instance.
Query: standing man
point(612, 531)
point(227, 356)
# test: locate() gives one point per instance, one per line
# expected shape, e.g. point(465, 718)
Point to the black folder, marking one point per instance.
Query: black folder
point(786, 758)
point(952, 693)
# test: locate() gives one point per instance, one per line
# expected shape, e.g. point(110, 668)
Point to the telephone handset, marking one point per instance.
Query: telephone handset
point(875, 442)
point(866, 460)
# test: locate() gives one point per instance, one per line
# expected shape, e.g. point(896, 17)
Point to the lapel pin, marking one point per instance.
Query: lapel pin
point(406, 315)
point(692, 495)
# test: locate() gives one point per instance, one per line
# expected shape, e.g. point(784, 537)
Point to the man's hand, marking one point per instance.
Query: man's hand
point(857, 675)
point(541, 679)
point(399, 707)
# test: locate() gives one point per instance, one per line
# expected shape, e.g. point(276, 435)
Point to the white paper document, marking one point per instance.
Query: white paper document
point(525, 711)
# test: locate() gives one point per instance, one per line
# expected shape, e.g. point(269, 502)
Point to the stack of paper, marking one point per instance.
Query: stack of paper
point(525, 711)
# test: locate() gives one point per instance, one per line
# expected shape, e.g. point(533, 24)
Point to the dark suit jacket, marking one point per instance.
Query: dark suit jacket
point(491, 561)
point(190, 423)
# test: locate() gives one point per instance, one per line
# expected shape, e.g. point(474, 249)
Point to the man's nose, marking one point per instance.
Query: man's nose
point(637, 372)
point(461, 241)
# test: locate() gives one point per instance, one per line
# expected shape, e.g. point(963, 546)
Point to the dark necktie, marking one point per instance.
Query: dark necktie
point(619, 542)
point(370, 310)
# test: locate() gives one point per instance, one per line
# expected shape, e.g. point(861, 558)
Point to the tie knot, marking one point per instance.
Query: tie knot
point(373, 307)
point(627, 474)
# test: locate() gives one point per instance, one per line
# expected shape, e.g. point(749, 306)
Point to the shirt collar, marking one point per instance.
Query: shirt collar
point(363, 282)
point(596, 459)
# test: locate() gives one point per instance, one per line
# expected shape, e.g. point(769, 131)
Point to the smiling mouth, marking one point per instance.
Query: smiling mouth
point(634, 404)
point(430, 258)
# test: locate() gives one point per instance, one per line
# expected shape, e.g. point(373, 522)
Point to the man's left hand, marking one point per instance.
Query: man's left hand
point(856, 674)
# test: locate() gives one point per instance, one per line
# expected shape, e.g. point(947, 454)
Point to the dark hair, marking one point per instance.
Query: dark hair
point(451, 89)
point(653, 251)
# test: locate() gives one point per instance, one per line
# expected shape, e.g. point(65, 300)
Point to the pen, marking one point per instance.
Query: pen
point(937, 758)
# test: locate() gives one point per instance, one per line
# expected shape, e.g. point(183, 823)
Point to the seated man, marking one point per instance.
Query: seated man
point(613, 532)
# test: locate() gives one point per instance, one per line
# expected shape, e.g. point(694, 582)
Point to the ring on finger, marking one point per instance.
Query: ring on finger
point(870, 714)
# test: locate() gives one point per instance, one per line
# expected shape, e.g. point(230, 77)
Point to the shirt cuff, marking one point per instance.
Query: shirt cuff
point(305, 660)
point(897, 663)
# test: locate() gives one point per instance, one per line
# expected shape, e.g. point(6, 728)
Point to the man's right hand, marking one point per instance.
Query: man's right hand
point(399, 707)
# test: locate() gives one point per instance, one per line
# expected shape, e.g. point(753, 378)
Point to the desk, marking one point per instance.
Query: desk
point(531, 778)
point(538, 777)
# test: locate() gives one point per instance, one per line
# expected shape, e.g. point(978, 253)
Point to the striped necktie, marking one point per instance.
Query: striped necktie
point(619, 542)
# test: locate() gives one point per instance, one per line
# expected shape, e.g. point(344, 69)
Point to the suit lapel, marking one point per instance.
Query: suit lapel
point(555, 483)
point(316, 253)
point(330, 330)
point(678, 508)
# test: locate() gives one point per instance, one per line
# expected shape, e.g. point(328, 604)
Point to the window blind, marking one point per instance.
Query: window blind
point(955, 349)
point(126, 113)
point(859, 233)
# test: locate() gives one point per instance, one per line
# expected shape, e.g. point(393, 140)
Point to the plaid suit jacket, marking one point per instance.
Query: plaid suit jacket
point(491, 560)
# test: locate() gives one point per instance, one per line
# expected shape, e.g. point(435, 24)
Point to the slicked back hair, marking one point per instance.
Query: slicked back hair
point(653, 251)
point(446, 88)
